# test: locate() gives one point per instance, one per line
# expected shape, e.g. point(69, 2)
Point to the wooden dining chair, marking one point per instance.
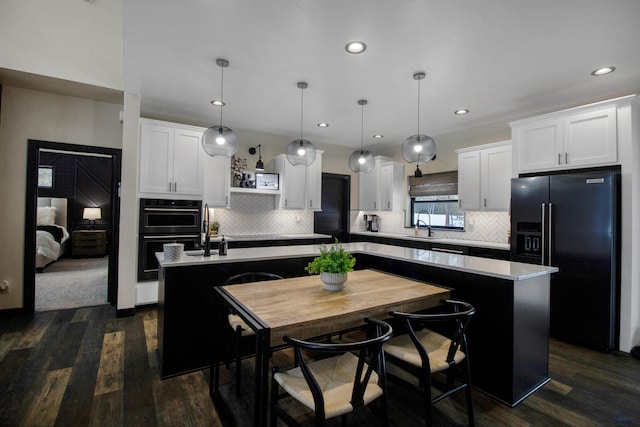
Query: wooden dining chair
point(352, 377)
point(240, 334)
point(423, 353)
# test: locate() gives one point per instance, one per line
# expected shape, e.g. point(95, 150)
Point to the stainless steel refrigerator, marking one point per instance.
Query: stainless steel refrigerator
point(571, 221)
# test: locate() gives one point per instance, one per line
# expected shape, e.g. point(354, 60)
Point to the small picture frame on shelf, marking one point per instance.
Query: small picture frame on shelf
point(267, 181)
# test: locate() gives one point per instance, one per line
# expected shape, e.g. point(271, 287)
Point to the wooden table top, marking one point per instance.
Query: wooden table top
point(301, 308)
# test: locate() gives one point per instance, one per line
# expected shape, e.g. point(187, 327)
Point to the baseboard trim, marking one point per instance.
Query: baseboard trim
point(13, 312)
point(126, 312)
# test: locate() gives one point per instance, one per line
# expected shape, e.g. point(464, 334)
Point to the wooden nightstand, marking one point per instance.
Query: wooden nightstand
point(88, 243)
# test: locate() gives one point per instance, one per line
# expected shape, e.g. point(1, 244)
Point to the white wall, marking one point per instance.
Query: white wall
point(27, 115)
point(74, 40)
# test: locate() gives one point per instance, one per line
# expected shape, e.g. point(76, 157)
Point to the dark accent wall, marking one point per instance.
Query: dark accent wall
point(85, 181)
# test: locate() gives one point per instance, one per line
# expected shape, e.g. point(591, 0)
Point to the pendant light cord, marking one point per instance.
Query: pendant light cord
point(301, 110)
point(221, 93)
point(362, 130)
point(418, 110)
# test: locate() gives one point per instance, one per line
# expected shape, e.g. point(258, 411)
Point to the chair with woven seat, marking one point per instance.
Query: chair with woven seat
point(352, 377)
point(424, 353)
point(240, 332)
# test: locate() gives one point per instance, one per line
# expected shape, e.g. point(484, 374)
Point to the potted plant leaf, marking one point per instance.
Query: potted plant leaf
point(332, 265)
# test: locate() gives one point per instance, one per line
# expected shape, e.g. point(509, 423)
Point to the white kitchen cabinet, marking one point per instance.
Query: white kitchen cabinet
point(217, 182)
point(392, 192)
point(171, 159)
point(368, 190)
point(314, 183)
point(484, 177)
point(300, 186)
point(469, 180)
point(564, 140)
point(293, 183)
point(383, 187)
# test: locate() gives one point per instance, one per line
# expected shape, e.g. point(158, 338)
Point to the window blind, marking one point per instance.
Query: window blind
point(434, 184)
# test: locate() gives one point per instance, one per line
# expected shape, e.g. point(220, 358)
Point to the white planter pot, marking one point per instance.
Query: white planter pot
point(333, 281)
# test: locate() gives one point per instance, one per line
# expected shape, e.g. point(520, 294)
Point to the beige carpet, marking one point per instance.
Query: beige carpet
point(72, 283)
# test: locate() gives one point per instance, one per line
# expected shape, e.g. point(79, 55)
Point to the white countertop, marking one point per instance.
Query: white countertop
point(484, 266)
point(292, 236)
point(461, 242)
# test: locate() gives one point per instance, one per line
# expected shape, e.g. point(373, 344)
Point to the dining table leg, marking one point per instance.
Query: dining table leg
point(263, 354)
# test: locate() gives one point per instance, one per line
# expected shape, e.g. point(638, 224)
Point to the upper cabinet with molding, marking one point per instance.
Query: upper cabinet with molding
point(383, 187)
point(301, 186)
point(578, 137)
point(171, 160)
point(217, 182)
point(484, 177)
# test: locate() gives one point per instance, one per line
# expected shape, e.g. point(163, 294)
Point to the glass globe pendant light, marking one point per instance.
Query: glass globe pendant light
point(220, 141)
point(301, 152)
point(419, 148)
point(361, 161)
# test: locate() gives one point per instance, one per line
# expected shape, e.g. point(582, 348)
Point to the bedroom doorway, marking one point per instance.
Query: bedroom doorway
point(81, 183)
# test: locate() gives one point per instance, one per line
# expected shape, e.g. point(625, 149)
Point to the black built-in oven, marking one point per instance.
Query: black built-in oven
point(165, 221)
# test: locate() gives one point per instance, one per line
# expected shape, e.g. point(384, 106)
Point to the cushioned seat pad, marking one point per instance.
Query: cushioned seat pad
point(437, 347)
point(235, 321)
point(335, 377)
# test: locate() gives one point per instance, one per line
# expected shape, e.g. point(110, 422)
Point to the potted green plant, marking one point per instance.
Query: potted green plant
point(332, 265)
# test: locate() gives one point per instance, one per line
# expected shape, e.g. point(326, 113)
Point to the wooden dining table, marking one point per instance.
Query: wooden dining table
point(299, 307)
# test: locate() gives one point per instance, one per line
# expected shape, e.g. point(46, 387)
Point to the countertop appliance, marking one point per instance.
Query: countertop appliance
point(166, 221)
point(571, 221)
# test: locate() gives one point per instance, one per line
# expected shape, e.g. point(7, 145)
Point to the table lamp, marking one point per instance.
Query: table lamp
point(91, 214)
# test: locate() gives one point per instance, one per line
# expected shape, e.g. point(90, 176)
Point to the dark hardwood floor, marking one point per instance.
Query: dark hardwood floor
point(85, 367)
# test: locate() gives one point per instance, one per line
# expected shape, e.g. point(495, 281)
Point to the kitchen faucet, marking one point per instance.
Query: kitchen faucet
point(205, 226)
point(428, 226)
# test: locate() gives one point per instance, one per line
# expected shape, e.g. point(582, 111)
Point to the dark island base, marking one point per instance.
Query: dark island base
point(508, 337)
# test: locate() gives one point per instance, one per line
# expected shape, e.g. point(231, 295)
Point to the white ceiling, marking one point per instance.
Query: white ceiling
point(502, 59)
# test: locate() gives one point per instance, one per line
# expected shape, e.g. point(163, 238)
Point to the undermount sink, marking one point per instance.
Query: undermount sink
point(198, 253)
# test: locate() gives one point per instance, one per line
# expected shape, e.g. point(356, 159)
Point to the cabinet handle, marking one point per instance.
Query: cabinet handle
point(566, 158)
point(169, 187)
point(485, 202)
point(226, 200)
point(374, 205)
point(559, 159)
point(285, 203)
point(310, 203)
point(389, 205)
point(175, 187)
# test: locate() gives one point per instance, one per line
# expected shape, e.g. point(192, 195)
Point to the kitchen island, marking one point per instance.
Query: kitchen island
point(508, 338)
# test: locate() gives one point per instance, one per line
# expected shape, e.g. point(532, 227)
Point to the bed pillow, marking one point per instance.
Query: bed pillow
point(46, 216)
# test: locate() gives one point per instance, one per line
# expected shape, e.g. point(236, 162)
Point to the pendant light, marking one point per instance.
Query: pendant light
point(220, 141)
point(301, 152)
point(419, 148)
point(361, 161)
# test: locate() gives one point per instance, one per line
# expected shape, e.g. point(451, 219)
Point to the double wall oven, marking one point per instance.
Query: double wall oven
point(165, 221)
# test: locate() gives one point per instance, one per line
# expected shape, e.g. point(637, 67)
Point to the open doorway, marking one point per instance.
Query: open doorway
point(78, 187)
point(334, 217)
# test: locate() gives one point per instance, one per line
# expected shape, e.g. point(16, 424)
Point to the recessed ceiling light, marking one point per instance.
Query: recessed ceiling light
point(355, 47)
point(323, 125)
point(461, 112)
point(217, 103)
point(378, 136)
point(602, 71)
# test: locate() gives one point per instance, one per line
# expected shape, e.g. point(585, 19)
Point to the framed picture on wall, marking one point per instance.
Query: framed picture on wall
point(267, 181)
point(45, 176)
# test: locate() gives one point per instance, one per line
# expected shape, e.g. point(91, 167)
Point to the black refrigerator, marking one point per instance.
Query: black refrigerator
point(571, 221)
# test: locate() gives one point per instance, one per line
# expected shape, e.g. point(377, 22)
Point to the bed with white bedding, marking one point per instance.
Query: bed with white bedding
point(51, 233)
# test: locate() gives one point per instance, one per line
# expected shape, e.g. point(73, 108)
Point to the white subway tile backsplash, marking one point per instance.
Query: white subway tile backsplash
point(479, 226)
point(256, 214)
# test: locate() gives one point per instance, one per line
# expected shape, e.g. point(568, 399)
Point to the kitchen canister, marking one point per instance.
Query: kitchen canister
point(173, 251)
